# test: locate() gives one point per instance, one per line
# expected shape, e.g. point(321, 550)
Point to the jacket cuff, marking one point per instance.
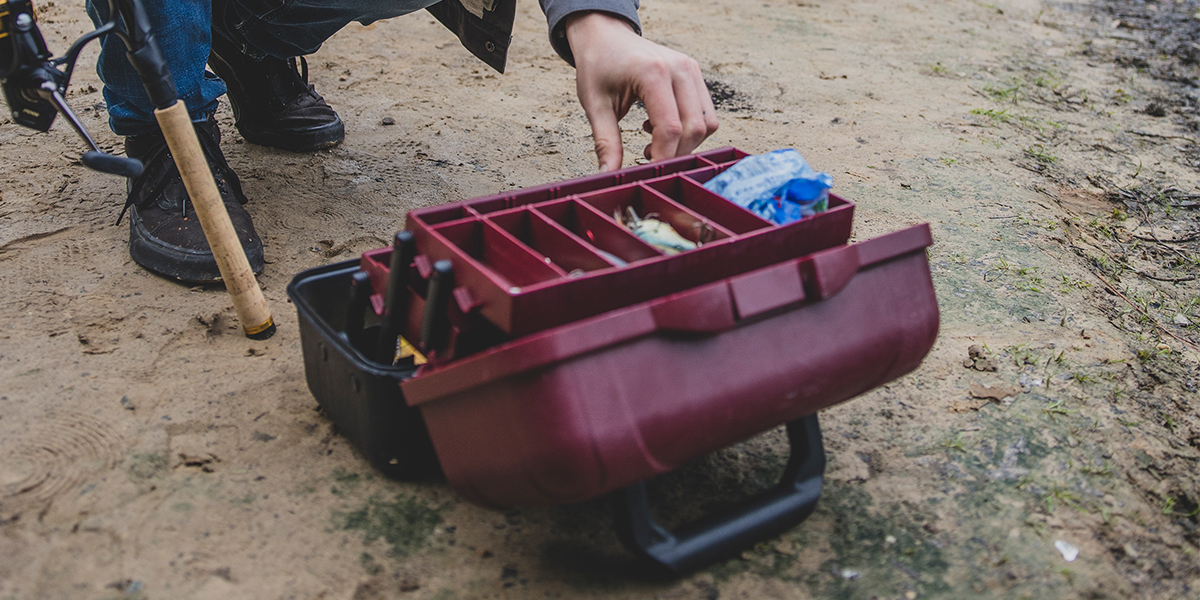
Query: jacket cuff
point(557, 12)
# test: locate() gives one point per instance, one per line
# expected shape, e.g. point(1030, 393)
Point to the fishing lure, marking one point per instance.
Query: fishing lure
point(654, 232)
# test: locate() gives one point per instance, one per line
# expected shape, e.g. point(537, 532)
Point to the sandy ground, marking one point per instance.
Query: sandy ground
point(149, 450)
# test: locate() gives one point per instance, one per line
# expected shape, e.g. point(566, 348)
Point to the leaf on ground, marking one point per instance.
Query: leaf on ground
point(999, 392)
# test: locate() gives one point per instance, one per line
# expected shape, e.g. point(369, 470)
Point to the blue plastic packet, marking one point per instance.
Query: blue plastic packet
point(778, 186)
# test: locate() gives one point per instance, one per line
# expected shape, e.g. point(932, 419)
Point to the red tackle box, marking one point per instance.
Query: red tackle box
point(557, 374)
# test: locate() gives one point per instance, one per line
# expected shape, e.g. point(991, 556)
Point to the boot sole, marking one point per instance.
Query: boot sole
point(311, 140)
point(175, 262)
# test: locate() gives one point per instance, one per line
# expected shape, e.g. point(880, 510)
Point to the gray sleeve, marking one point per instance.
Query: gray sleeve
point(557, 11)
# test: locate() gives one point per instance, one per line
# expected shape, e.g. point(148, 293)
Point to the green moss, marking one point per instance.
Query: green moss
point(405, 523)
point(886, 546)
point(345, 482)
point(247, 498)
point(145, 466)
point(345, 477)
point(369, 565)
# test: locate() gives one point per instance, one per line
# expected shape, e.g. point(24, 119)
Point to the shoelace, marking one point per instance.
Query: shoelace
point(216, 160)
point(303, 67)
point(299, 66)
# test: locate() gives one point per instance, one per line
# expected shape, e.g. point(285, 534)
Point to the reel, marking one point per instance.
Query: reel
point(35, 83)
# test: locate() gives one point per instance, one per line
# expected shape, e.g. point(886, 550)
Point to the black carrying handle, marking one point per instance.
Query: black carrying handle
point(725, 534)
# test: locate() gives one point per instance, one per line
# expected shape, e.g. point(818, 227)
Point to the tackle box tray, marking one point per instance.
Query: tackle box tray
point(536, 258)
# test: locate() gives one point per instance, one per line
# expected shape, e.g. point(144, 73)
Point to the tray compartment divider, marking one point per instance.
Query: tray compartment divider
point(728, 155)
point(686, 192)
point(521, 264)
point(702, 176)
point(691, 227)
point(530, 196)
point(598, 230)
point(568, 234)
point(449, 213)
point(487, 206)
point(551, 240)
point(595, 182)
point(484, 246)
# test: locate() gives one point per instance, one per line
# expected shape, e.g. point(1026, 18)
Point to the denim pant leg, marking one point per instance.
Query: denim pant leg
point(287, 28)
point(182, 28)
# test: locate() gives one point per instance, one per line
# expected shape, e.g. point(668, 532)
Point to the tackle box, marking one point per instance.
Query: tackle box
point(567, 359)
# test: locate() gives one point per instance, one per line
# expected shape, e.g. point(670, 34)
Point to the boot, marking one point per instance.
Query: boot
point(273, 104)
point(165, 236)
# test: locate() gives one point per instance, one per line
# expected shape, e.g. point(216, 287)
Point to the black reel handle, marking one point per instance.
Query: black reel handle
point(727, 533)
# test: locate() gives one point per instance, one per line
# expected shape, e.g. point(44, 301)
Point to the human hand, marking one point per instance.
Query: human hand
point(615, 66)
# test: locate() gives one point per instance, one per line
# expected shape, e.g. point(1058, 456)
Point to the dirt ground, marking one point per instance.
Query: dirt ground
point(149, 450)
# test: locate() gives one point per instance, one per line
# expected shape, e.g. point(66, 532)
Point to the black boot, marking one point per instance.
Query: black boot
point(273, 105)
point(165, 236)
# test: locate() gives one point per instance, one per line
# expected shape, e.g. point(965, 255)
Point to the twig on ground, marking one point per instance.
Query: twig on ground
point(1171, 248)
point(1181, 240)
point(1159, 135)
point(1166, 279)
point(1125, 265)
point(1156, 322)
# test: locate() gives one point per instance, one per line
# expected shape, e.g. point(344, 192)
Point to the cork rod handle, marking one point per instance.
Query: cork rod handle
point(248, 302)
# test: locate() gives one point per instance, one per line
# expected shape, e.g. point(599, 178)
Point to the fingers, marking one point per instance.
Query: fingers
point(697, 115)
point(680, 108)
point(709, 123)
point(606, 133)
point(604, 110)
point(657, 91)
point(648, 128)
point(615, 66)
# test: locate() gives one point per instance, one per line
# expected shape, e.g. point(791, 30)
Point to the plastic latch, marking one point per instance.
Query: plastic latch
point(708, 309)
point(829, 271)
point(766, 289)
point(894, 244)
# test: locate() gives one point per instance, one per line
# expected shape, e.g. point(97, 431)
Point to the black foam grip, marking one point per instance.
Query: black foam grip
point(112, 164)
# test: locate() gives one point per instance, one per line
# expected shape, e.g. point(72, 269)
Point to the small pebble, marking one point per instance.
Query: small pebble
point(1069, 552)
point(389, 121)
point(1181, 320)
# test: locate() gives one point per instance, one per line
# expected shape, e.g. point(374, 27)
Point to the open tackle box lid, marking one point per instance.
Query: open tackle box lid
point(535, 258)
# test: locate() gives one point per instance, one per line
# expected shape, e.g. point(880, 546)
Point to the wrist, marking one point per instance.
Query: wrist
point(583, 28)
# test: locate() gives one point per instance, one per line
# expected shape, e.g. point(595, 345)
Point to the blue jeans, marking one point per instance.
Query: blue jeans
point(184, 28)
